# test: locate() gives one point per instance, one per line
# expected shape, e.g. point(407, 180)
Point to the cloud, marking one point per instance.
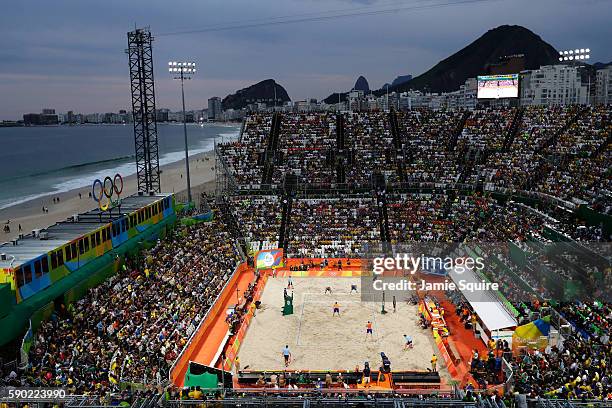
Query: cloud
point(70, 54)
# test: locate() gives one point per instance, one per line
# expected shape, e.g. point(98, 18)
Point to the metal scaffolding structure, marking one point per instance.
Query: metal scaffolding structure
point(140, 55)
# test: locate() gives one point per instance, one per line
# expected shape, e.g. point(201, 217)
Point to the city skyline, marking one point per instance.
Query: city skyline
point(73, 59)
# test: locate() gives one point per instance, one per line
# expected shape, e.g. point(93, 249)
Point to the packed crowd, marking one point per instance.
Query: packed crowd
point(369, 137)
point(259, 219)
point(512, 168)
point(132, 327)
point(561, 151)
point(434, 217)
point(582, 166)
point(427, 155)
point(578, 368)
point(333, 228)
point(486, 129)
point(307, 141)
point(244, 157)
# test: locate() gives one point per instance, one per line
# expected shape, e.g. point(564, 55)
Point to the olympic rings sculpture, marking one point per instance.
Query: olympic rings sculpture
point(108, 189)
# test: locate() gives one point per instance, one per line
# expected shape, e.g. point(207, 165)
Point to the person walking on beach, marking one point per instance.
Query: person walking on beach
point(336, 309)
point(286, 355)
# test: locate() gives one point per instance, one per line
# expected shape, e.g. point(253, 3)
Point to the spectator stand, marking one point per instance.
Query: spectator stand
point(213, 329)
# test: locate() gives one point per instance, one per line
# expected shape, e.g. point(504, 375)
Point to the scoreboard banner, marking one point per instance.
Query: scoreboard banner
point(498, 86)
point(270, 258)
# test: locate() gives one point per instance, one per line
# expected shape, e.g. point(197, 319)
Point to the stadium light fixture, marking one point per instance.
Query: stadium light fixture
point(184, 70)
point(577, 54)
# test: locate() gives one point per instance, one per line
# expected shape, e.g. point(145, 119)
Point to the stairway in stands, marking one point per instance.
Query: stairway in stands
point(409, 154)
point(283, 236)
point(340, 157)
point(229, 219)
point(379, 187)
point(602, 147)
point(397, 144)
point(596, 153)
point(469, 159)
point(545, 164)
point(454, 136)
point(513, 129)
point(551, 141)
point(383, 219)
point(271, 155)
point(286, 199)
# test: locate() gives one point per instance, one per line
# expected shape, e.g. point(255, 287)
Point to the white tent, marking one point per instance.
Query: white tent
point(485, 303)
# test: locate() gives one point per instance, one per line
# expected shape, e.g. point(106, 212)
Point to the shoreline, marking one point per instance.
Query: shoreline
point(14, 124)
point(30, 216)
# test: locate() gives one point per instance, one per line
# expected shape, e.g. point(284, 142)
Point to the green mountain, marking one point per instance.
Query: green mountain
point(261, 92)
point(449, 74)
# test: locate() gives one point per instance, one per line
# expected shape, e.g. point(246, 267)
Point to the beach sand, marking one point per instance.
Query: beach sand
point(31, 216)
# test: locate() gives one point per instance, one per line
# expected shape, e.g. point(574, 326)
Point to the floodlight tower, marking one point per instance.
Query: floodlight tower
point(578, 55)
point(183, 71)
point(140, 55)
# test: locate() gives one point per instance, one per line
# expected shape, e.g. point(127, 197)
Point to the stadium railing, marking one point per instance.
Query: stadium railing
point(323, 397)
point(28, 341)
point(96, 401)
point(325, 402)
point(305, 190)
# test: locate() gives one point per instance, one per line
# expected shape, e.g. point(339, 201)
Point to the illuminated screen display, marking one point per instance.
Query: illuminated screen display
point(271, 258)
point(498, 86)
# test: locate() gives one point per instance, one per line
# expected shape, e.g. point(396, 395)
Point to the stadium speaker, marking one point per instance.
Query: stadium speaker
point(378, 181)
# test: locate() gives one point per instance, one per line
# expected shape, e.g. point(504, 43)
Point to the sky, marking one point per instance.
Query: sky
point(69, 54)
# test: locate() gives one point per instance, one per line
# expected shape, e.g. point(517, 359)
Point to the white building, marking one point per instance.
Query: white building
point(603, 86)
point(468, 94)
point(553, 85)
point(452, 100)
point(214, 108)
point(355, 99)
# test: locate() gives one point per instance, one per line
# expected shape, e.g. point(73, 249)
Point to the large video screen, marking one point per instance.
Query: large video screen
point(498, 86)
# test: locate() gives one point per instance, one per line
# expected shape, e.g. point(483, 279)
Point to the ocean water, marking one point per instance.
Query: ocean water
point(37, 161)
